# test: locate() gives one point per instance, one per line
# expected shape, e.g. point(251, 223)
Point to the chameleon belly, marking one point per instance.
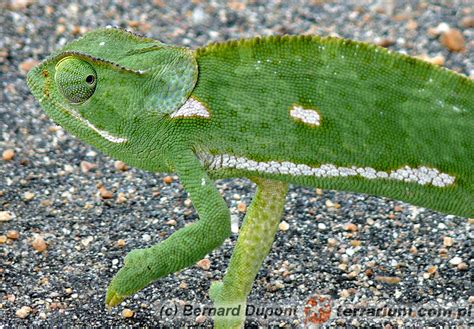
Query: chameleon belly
point(370, 109)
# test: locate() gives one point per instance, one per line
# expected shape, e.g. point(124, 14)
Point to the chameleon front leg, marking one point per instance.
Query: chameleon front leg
point(254, 243)
point(184, 247)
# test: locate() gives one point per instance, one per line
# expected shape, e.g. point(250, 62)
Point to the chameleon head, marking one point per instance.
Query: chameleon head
point(115, 90)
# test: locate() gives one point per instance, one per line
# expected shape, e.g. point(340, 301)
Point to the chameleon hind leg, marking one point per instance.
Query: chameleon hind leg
point(253, 245)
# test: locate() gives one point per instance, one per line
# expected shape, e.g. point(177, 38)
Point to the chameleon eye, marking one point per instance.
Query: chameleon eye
point(76, 79)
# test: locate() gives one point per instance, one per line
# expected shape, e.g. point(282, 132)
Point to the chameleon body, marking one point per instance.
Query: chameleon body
point(323, 112)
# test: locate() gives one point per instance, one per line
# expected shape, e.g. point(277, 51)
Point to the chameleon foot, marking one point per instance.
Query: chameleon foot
point(136, 274)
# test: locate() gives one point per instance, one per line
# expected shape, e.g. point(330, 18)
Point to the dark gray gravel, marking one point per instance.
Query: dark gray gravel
point(66, 283)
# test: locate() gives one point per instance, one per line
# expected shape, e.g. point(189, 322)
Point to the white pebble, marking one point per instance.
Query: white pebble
point(284, 226)
point(455, 261)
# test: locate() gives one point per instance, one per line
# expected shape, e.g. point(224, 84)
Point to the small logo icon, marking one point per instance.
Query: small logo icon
point(317, 309)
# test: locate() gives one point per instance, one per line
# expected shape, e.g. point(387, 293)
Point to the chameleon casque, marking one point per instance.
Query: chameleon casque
point(323, 112)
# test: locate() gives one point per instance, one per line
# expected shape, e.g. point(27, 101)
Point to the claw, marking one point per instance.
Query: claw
point(113, 298)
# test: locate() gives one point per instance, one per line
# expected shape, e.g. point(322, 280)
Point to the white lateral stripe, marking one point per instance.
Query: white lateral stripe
point(421, 175)
point(308, 116)
point(191, 108)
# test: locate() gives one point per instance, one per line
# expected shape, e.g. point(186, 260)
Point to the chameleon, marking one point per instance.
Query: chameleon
point(314, 111)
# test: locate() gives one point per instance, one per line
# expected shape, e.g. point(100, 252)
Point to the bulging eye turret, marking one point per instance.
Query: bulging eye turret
point(76, 79)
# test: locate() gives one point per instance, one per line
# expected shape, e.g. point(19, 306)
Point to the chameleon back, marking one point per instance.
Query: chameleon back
point(338, 114)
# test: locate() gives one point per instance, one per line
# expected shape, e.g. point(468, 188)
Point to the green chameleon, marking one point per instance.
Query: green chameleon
point(322, 112)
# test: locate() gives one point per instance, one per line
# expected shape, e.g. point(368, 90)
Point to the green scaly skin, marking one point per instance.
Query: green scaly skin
point(254, 243)
point(381, 111)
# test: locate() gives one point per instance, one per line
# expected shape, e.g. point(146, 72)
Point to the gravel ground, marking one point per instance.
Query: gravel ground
point(69, 215)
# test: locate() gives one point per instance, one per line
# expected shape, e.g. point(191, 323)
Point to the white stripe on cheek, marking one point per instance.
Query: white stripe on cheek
point(102, 133)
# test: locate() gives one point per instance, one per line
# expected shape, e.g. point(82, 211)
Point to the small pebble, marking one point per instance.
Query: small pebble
point(8, 154)
point(322, 226)
point(455, 261)
point(121, 198)
point(171, 222)
point(27, 65)
point(448, 241)
point(127, 313)
point(436, 60)
point(412, 25)
point(60, 29)
point(398, 208)
point(432, 269)
point(23, 312)
point(3, 239)
point(168, 179)
point(241, 207)
point(105, 194)
point(277, 285)
point(355, 243)
point(201, 319)
point(329, 203)
point(388, 279)
point(441, 28)
point(86, 241)
point(234, 223)
point(350, 227)
point(12, 234)
point(205, 264)
point(120, 243)
point(38, 243)
point(87, 166)
point(146, 237)
point(342, 267)
point(471, 299)
point(463, 266)
point(467, 22)
point(344, 293)
point(453, 40)
point(28, 196)
point(5, 216)
point(284, 226)
point(332, 242)
point(121, 166)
